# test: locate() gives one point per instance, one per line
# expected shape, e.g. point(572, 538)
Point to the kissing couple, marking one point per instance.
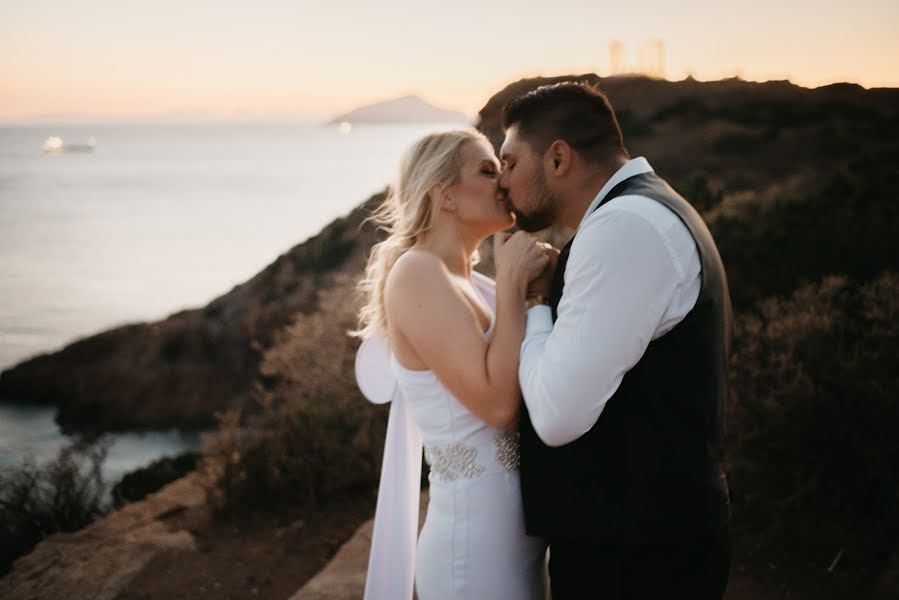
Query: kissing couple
point(574, 405)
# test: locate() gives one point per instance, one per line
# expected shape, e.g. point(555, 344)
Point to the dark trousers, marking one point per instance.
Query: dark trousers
point(691, 570)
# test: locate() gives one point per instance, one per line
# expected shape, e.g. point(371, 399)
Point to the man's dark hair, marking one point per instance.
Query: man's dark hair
point(573, 111)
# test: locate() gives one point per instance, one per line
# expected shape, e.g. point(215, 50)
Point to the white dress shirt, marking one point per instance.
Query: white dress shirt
point(633, 273)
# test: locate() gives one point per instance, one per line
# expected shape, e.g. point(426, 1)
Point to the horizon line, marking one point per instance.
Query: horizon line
point(210, 117)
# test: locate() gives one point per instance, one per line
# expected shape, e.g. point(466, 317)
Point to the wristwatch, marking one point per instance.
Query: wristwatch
point(533, 301)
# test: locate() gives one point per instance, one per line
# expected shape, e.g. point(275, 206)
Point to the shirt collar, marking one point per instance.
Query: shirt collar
point(635, 166)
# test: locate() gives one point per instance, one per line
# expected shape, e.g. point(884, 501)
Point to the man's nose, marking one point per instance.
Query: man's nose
point(502, 180)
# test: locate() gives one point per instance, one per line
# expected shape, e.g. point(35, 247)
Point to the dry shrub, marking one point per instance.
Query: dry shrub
point(814, 456)
point(62, 495)
point(294, 456)
point(139, 483)
point(315, 438)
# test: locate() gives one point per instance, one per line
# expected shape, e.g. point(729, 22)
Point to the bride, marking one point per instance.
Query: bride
point(442, 342)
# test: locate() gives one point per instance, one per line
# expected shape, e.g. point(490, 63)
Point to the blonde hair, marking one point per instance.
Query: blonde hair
point(407, 214)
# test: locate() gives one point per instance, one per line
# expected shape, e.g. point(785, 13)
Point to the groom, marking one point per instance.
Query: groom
point(624, 363)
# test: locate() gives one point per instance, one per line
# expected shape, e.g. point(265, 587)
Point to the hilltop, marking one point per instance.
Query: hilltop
point(407, 109)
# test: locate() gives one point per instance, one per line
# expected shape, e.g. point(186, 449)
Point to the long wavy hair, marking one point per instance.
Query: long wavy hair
point(434, 161)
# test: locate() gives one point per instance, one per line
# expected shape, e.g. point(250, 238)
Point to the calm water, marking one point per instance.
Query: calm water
point(29, 432)
point(157, 219)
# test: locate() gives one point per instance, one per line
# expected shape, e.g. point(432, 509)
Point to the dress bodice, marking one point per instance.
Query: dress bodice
point(458, 445)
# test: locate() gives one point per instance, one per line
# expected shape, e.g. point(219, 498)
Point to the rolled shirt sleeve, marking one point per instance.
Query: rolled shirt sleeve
point(620, 278)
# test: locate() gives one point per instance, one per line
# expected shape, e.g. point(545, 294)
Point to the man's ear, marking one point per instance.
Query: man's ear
point(558, 158)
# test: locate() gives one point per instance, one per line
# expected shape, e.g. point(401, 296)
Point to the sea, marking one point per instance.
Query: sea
point(155, 219)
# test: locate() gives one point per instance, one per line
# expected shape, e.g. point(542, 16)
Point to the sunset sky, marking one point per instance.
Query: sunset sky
point(158, 59)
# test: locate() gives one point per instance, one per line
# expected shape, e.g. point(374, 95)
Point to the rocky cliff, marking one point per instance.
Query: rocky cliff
point(729, 146)
point(179, 371)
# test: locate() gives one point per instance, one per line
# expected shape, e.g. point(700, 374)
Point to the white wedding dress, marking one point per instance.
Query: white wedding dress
point(473, 544)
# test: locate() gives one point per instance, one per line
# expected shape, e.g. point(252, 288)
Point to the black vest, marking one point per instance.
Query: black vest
point(649, 470)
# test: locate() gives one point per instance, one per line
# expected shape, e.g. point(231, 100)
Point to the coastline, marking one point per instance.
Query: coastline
point(293, 314)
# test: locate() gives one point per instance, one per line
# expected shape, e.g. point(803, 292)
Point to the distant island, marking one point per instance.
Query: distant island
point(407, 109)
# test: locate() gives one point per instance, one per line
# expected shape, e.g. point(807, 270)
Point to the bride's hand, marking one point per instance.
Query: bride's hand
point(518, 257)
point(542, 284)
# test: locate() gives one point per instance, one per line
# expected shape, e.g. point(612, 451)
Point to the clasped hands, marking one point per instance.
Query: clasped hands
point(531, 264)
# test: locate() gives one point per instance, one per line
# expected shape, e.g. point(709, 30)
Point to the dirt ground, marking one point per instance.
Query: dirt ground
point(266, 556)
point(260, 556)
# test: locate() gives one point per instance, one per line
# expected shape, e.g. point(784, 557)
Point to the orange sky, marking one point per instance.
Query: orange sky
point(113, 60)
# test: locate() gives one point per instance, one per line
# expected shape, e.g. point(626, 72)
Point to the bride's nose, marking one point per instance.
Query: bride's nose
point(501, 180)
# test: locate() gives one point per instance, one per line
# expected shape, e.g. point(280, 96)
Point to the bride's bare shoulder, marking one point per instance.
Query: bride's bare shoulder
point(417, 258)
point(414, 277)
point(413, 266)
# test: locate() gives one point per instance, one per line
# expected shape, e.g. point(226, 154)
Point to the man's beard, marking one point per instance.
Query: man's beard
point(544, 213)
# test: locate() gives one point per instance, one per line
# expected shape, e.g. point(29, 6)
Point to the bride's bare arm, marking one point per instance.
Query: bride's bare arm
point(434, 318)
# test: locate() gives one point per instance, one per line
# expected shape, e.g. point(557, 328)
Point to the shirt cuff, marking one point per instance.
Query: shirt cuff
point(539, 320)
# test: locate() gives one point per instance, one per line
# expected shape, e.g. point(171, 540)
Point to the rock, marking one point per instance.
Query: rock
point(100, 560)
